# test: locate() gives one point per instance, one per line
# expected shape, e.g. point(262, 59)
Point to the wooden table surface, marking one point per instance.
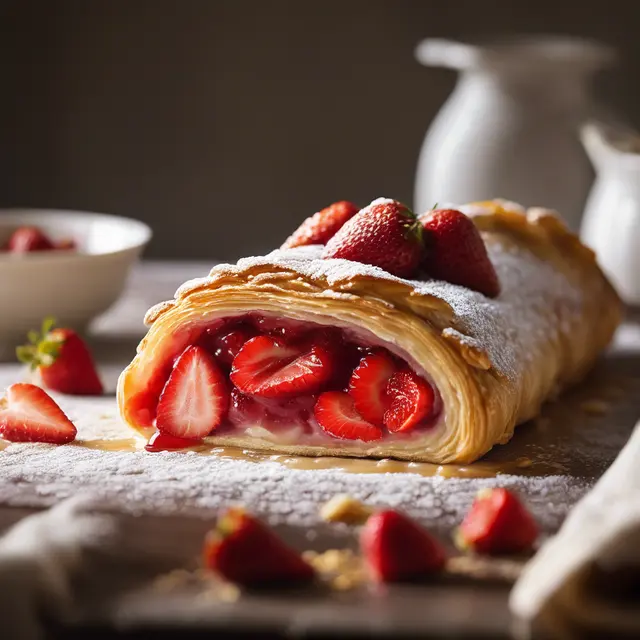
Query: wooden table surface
point(463, 609)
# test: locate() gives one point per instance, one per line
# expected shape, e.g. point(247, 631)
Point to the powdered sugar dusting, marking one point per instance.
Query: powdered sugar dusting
point(176, 483)
point(508, 328)
point(188, 483)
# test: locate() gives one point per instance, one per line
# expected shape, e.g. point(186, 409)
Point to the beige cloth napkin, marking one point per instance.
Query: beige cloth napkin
point(586, 580)
point(58, 563)
point(38, 558)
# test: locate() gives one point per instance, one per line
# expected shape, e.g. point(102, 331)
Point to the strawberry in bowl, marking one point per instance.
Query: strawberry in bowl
point(68, 264)
point(31, 239)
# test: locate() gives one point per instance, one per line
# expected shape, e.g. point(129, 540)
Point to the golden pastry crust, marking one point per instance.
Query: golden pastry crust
point(494, 362)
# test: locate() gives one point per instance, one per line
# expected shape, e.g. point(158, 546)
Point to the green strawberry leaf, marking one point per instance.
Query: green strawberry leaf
point(42, 349)
point(47, 324)
point(25, 354)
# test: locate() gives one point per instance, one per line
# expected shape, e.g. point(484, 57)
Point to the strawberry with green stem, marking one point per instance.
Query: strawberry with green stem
point(63, 360)
point(385, 234)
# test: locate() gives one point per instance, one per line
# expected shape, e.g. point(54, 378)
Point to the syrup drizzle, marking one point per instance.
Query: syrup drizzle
point(479, 469)
point(566, 438)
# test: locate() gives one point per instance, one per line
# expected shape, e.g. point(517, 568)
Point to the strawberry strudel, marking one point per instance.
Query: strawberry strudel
point(375, 333)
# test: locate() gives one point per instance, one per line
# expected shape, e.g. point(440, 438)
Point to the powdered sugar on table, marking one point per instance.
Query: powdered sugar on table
point(189, 483)
point(174, 483)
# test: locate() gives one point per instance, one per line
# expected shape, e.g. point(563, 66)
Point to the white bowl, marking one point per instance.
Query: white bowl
point(73, 287)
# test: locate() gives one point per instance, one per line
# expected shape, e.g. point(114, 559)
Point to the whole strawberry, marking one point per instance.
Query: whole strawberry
point(455, 252)
point(63, 360)
point(385, 234)
point(321, 226)
point(28, 239)
point(245, 551)
point(497, 523)
point(396, 548)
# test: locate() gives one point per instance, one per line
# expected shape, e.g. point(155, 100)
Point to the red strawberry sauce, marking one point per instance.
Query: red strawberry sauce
point(299, 361)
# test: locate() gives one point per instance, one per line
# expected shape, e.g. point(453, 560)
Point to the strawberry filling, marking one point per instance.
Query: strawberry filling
point(271, 368)
point(368, 386)
point(291, 381)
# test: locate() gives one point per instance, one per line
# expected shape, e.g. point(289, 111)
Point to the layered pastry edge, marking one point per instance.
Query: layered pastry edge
point(437, 329)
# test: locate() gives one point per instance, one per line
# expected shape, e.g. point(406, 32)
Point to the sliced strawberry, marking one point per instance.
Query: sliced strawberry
point(368, 386)
point(63, 360)
point(337, 415)
point(163, 442)
point(243, 550)
point(270, 368)
point(497, 523)
point(227, 345)
point(28, 239)
point(195, 399)
point(411, 400)
point(397, 549)
point(29, 414)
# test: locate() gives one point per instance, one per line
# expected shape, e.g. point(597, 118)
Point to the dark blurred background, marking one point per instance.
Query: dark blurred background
point(224, 123)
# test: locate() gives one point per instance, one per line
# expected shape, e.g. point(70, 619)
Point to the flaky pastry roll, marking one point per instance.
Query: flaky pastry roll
point(490, 363)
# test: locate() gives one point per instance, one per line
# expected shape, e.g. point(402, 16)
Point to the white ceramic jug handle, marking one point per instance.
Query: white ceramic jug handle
point(438, 52)
point(593, 143)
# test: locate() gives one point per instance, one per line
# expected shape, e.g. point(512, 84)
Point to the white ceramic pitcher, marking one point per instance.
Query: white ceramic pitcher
point(611, 223)
point(510, 129)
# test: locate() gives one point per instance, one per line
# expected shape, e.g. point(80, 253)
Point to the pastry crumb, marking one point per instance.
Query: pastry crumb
point(595, 407)
point(172, 580)
point(344, 508)
point(223, 591)
point(342, 569)
point(480, 568)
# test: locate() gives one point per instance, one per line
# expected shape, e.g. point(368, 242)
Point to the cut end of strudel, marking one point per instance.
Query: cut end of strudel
point(475, 367)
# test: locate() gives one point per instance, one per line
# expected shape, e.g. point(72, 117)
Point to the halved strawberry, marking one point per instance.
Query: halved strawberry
point(368, 386)
point(337, 415)
point(29, 414)
point(410, 401)
point(270, 368)
point(195, 399)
